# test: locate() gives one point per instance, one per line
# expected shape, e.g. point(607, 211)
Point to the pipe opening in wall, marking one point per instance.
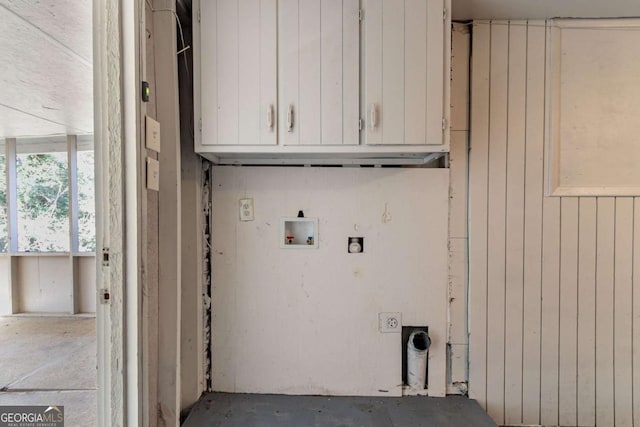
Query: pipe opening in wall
point(415, 349)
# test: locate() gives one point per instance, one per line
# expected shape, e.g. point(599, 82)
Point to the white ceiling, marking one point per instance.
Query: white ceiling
point(45, 67)
point(539, 9)
point(46, 55)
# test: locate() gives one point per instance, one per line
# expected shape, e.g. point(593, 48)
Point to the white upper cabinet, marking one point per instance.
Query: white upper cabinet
point(319, 58)
point(403, 71)
point(321, 81)
point(238, 74)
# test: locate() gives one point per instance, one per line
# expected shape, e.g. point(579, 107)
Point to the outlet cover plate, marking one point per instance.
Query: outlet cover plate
point(152, 134)
point(246, 210)
point(390, 322)
point(153, 174)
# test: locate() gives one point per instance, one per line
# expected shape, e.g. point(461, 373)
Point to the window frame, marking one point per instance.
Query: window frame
point(41, 145)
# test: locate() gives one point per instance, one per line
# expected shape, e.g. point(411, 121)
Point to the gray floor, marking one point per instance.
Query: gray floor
point(50, 361)
point(231, 410)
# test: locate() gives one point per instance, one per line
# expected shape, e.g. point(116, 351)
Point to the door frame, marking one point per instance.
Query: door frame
point(117, 132)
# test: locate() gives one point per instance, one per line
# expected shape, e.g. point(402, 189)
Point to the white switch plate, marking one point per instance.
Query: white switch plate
point(153, 174)
point(152, 134)
point(246, 210)
point(390, 322)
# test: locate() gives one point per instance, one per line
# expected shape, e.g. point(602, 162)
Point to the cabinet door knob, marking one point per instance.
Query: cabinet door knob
point(374, 116)
point(290, 119)
point(270, 116)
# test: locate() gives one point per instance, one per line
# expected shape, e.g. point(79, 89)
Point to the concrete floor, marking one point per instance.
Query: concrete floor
point(245, 410)
point(50, 361)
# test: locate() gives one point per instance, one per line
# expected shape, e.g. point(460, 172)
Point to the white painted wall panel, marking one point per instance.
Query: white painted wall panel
point(478, 189)
point(45, 284)
point(6, 290)
point(403, 91)
point(87, 284)
point(319, 71)
point(586, 389)
point(568, 300)
point(306, 321)
point(623, 312)
point(567, 354)
point(533, 209)
point(514, 246)
point(238, 69)
point(595, 98)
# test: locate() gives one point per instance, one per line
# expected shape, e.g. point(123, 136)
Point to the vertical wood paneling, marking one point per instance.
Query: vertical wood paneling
point(554, 310)
point(248, 71)
point(550, 311)
point(228, 71)
point(567, 381)
point(309, 116)
point(586, 391)
point(372, 39)
point(623, 301)
point(403, 50)
point(478, 171)
point(415, 100)
point(605, 258)
point(391, 109)
point(288, 71)
point(268, 71)
point(319, 47)
point(331, 75)
point(550, 316)
point(350, 72)
point(636, 312)
point(208, 61)
point(496, 220)
point(435, 73)
point(514, 256)
point(534, 149)
point(239, 56)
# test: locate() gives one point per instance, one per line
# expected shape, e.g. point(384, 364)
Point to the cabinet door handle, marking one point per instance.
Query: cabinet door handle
point(290, 119)
point(270, 116)
point(374, 116)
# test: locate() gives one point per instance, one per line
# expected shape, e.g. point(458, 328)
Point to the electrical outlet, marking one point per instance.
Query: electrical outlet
point(390, 322)
point(246, 210)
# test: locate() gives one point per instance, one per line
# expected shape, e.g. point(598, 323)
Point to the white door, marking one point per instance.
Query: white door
point(318, 42)
point(238, 72)
point(403, 42)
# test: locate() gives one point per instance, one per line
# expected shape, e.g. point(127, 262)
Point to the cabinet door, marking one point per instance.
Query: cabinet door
point(403, 71)
point(318, 42)
point(238, 72)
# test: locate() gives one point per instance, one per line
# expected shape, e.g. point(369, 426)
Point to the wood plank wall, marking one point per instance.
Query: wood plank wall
point(554, 317)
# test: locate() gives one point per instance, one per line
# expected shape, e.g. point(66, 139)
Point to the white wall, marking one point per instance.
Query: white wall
point(554, 318)
point(306, 321)
point(86, 286)
point(45, 283)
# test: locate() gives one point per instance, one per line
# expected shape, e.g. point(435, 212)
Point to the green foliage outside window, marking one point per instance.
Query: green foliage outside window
point(86, 202)
point(43, 202)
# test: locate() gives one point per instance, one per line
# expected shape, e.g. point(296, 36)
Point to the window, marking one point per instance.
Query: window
point(41, 210)
point(43, 202)
point(86, 202)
